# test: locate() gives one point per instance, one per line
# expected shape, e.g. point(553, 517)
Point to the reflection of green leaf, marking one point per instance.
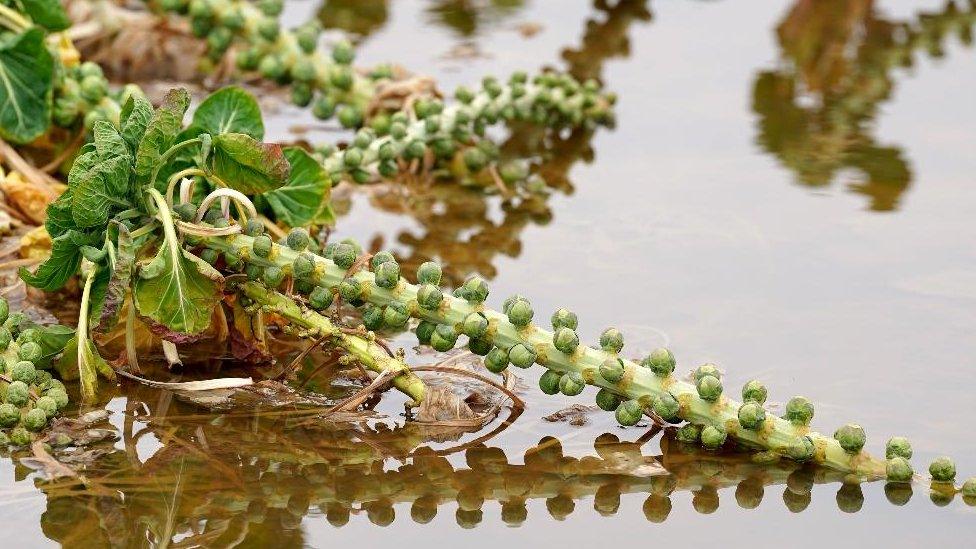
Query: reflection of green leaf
point(166, 123)
point(63, 263)
point(26, 72)
point(305, 198)
point(248, 165)
point(47, 13)
point(230, 110)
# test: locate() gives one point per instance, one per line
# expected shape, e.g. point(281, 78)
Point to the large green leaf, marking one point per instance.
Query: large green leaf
point(134, 118)
point(109, 143)
point(52, 340)
point(230, 110)
point(59, 219)
point(178, 290)
point(248, 165)
point(63, 263)
point(162, 130)
point(95, 195)
point(47, 13)
point(26, 72)
point(305, 199)
point(106, 315)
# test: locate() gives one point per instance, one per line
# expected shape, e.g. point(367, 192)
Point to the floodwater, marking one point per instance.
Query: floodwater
point(788, 193)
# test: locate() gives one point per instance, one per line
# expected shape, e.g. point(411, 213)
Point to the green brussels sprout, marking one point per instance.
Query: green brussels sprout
point(898, 470)
point(9, 415)
point(751, 415)
point(18, 393)
point(800, 449)
point(475, 325)
point(364, 138)
point(352, 158)
point(373, 317)
point(48, 404)
point(54, 384)
point(688, 433)
point(496, 361)
point(396, 315)
point(343, 53)
point(303, 267)
point(253, 227)
point(210, 256)
point(5, 338)
point(942, 469)
point(273, 276)
point(754, 391)
point(629, 413)
point(387, 152)
point(799, 411)
point(323, 108)
point(520, 313)
point(60, 397)
point(480, 346)
point(20, 437)
point(475, 159)
point(30, 351)
point(387, 274)
point(851, 438)
point(301, 94)
point(350, 117)
point(565, 340)
point(42, 378)
point(429, 273)
point(93, 88)
point(262, 245)
point(521, 355)
point(464, 95)
point(564, 318)
point(709, 388)
point(414, 150)
point(303, 287)
point(345, 255)
point(708, 369)
point(35, 419)
point(444, 338)
point(15, 321)
point(607, 401)
point(571, 384)
point(320, 298)
point(898, 447)
point(185, 211)
point(304, 71)
point(380, 258)
point(612, 369)
point(969, 488)
point(350, 290)
point(666, 407)
point(387, 169)
point(713, 437)
point(218, 40)
point(269, 29)
point(271, 8)
point(474, 290)
point(298, 239)
point(24, 371)
point(549, 382)
point(270, 66)
point(247, 60)
point(429, 297)
point(611, 340)
point(660, 361)
point(424, 330)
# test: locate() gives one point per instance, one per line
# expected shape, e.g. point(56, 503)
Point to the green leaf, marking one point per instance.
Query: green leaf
point(161, 133)
point(26, 72)
point(178, 289)
point(92, 200)
point(63, 263)
point(107, 315)
point(108, 141)
point(230, 110)
point(134, 118)
point(302, 200)
point(99, 178)
point(47, 13)
point(52, 340)
point(83, 364)
point(247, 165)
point(59, 219)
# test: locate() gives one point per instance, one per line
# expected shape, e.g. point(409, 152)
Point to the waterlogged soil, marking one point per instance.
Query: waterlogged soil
point(788, 193)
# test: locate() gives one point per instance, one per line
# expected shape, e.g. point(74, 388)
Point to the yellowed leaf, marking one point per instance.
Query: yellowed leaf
point(27, 197)
point(36, 244)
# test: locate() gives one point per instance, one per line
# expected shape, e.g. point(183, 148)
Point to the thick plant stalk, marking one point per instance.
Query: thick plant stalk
point(637, 383)
point(367, 352)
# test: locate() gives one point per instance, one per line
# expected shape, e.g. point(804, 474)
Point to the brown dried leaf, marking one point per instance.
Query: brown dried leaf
point(29, 198)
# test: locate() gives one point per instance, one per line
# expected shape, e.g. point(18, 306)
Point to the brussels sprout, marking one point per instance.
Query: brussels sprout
point(262, 245)
point(380, 258)
point(48, 404)
point(564, 318)
point(42, 378)
point(851, 438)
point(611, 340)
point(30, 351)
point(549, 382)
point(496, 361)
point(969, 488)
point(708, 369)
point(273, 276)
point(898, 470)
point(270, 66)
point(751, 415)
point(269, 29)
point(521, 355)
point(898, 447)
point(443, 338)
point(709, 388)
point(520, 313)
point(801, 449)
point(629, 413)
point(396, 315)
point(612, 369)
point(688, 433)
point(350, 117)
point(18, 393)
point(20, 437)
point(606, 400)
point(475, 290)
point(320, 298)
point(271, 8)
point(210, 256)
point(9, 415)
point(799, 411)
point(5, 338)
point(93, 88)
point(424, 330)
point(253, 227)
point(660, 361)
point(343, 53)
point(387, 169)
point(571, 384)
point(429, 297)
point(373, 317)
point(298, 239)
point(754, 391)
point(218, 40)
point(475, 159)
point(350, 290)
point(713, 437)
point(387, 274)
point(185, 211)
point(323, 108)
point(666, 407)
point(429, 273)
point(942, 469)
point(301, 94)
point(303, 267)
point(304, 71)
point(480, 346)
point(475, 325)
point(24, 370)
point(565, 340)
point(60, 397)
point(35, 419)
point(352, 158)
point(345, 255)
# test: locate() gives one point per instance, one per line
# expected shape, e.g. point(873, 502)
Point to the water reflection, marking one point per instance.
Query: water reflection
point(467, 17)
point(839, 59)
point(360, 18)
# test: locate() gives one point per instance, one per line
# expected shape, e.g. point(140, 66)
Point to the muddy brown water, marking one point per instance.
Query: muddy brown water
point(788, 193)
